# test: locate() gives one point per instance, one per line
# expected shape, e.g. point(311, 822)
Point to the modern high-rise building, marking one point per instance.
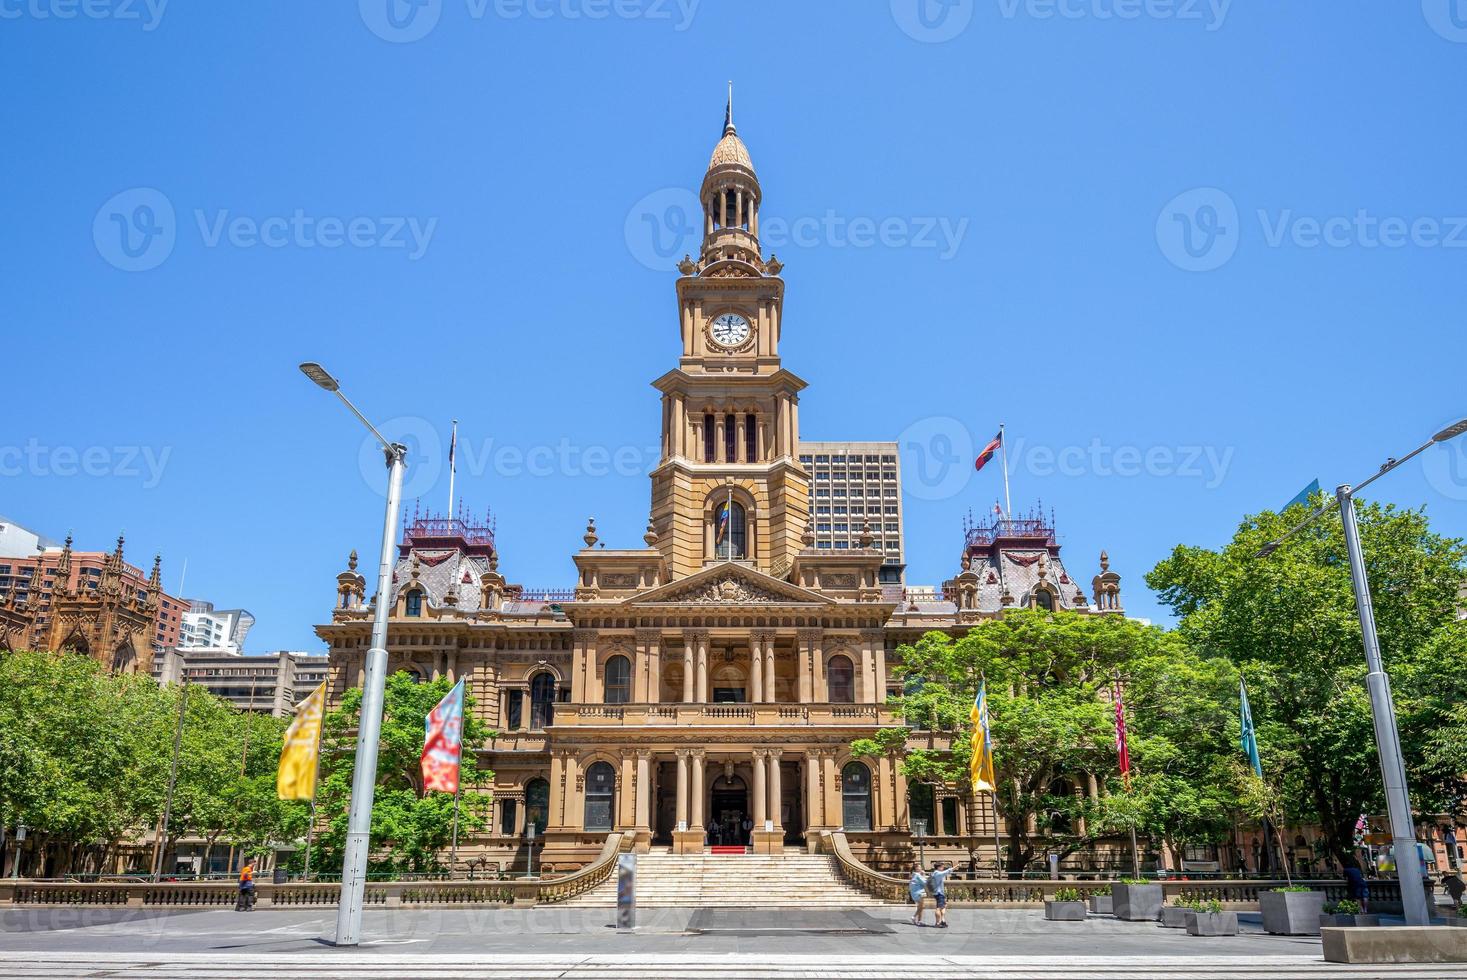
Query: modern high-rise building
point(855, 490)
point(207, 628)
point(270, 682)
point(706, 688)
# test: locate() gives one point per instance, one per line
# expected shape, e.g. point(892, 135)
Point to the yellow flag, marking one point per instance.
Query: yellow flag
point(980, 768)
point(296, 779)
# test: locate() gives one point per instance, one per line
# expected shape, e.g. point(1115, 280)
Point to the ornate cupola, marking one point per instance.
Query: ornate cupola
point(731, 199)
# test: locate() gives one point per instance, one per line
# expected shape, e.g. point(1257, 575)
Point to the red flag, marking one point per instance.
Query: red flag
point(988, 451)
point(1122, 749)
point(443, 743)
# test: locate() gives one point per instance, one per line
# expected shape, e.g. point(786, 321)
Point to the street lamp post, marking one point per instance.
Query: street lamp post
point(1378, 683)
point(369, 727)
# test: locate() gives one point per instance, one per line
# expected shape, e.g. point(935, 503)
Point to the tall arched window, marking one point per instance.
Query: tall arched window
point(537, 805)
point(855, 796)
point(415, 603)
point(919, 807)
point(123, 658)
point(600, 796)
point(542, 700)
point(618, 680)
point(1043, 600)
point(730, 531)
point(841, 676)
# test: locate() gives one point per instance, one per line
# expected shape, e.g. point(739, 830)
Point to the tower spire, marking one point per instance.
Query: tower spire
point(728, 123)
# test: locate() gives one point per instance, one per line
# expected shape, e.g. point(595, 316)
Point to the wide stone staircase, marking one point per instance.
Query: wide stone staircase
point(738, 881)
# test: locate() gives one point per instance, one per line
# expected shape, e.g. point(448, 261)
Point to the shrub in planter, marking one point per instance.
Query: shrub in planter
point(1174, 916)
point(1457, 919)
point(1101, 902)
point(1065, 906)
point(1346, 913)
point(1209, 919)
point(1291, 911)
point(1137, 900)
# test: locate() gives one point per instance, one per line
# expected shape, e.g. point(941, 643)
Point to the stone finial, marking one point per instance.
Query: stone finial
point(807, 536)
point(651, 534)
point(867, 538)
point(967, 561)
point(417, 566)
point(351, 561)
point(1043, 569)
point(1104, 561)
point(494, 561)
point(590, 536)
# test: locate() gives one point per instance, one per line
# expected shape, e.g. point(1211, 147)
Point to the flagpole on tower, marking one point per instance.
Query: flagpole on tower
point(1003, 445)
point(452, 466)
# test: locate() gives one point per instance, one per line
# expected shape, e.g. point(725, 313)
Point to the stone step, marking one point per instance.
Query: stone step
point(795, 880)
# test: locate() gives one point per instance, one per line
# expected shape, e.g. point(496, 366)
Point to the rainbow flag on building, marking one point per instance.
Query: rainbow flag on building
point(443, 731)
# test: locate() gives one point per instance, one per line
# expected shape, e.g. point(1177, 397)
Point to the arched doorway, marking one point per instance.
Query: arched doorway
point(600, 797)
point(728, 811)
point(855, 793)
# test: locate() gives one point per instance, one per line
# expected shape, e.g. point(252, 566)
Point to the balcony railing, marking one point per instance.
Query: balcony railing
point(724, 715)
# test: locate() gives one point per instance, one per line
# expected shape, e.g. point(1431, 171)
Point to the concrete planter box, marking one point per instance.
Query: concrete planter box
point(1344, 921)
point(1105, 905)
point(1212, 923)
point(1137, 903)
point(1291, 913)
point(1064, 911)
point(1174, 917)
point(1451, 920)
point(1395, 944)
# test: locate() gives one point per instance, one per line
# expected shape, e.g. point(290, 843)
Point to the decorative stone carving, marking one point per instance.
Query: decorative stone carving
point(730, 590)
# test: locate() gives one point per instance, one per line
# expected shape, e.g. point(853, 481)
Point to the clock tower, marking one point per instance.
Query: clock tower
point(729, 486)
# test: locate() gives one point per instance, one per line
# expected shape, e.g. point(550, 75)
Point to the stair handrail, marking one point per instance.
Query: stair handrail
point(885, 887)
point(593, 874)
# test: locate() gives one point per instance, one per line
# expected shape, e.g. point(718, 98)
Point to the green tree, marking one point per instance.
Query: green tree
point(1289, 623)
point(409, 827)
point(1049, 678)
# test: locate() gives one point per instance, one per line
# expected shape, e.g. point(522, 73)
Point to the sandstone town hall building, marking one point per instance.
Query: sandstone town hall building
point(705, 689)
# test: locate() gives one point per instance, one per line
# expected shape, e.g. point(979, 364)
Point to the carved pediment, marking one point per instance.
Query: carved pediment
point(729, 585)
point(729, 589)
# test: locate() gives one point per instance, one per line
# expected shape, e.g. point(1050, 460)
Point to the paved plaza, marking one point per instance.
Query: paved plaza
point(704, 943)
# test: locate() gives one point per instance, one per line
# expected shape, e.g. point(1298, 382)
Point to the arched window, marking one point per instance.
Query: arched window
point(123, 659)
point(415, 603)
point(542, 700)
point(1043, 600)
point(855, 796)
point(730, 532)
point(537, 805)
point(618, 680)
point(600, 796)
point(919, 807)
point(842, 680)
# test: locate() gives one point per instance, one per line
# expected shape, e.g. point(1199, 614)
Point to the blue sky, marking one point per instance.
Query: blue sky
point(1194, 255)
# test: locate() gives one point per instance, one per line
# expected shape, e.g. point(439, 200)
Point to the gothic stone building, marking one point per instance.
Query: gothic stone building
point(707, 687)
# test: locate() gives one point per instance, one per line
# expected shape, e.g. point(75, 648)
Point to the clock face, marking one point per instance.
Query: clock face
point(730, 330)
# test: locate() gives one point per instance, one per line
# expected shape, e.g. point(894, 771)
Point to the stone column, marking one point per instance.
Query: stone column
point(557, 790)
point(682, 787)
point(702, 692)
point(648, 680)
point(770, 693)
point(819, 692)
point(739, 439)
point(814, 808)
point(833, 815)
point(867, 693)
point(881, 669)
point(756, 668)
point(719, 445)
point(643, 816)
point(581, 640)
point(697, 759)
point(776, 791)
point(688, 667)
point(805, 641)
point(759, 438)
point(761, 795)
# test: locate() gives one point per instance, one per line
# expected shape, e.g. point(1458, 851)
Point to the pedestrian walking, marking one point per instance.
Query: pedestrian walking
point(1356, 886)
point(246, 900)
point(1454, 888)
point(917, 890)
point(937, 884)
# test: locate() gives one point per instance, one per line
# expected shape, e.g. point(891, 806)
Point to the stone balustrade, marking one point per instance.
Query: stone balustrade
point(725, 715)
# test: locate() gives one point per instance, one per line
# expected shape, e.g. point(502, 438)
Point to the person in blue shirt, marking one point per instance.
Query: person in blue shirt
point(917, 890)
point(937, 884)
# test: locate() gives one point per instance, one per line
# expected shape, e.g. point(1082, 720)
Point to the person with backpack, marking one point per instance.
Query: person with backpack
point(937, 885)
point(246, 900)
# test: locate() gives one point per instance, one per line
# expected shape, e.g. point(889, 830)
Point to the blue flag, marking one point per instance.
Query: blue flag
point(1249, 740)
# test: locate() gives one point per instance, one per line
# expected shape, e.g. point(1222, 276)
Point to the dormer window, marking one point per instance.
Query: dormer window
point(414, 603)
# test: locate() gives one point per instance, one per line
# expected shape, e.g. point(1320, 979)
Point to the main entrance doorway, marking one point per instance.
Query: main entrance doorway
point(728, 812)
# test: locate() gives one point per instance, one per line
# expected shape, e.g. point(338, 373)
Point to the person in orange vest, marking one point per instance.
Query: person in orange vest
point(246, 901)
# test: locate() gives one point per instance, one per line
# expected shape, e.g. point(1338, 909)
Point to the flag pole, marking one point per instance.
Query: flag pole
point(452, 466)
point(453, 854)
point(1003, 445)
point(997, 849)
